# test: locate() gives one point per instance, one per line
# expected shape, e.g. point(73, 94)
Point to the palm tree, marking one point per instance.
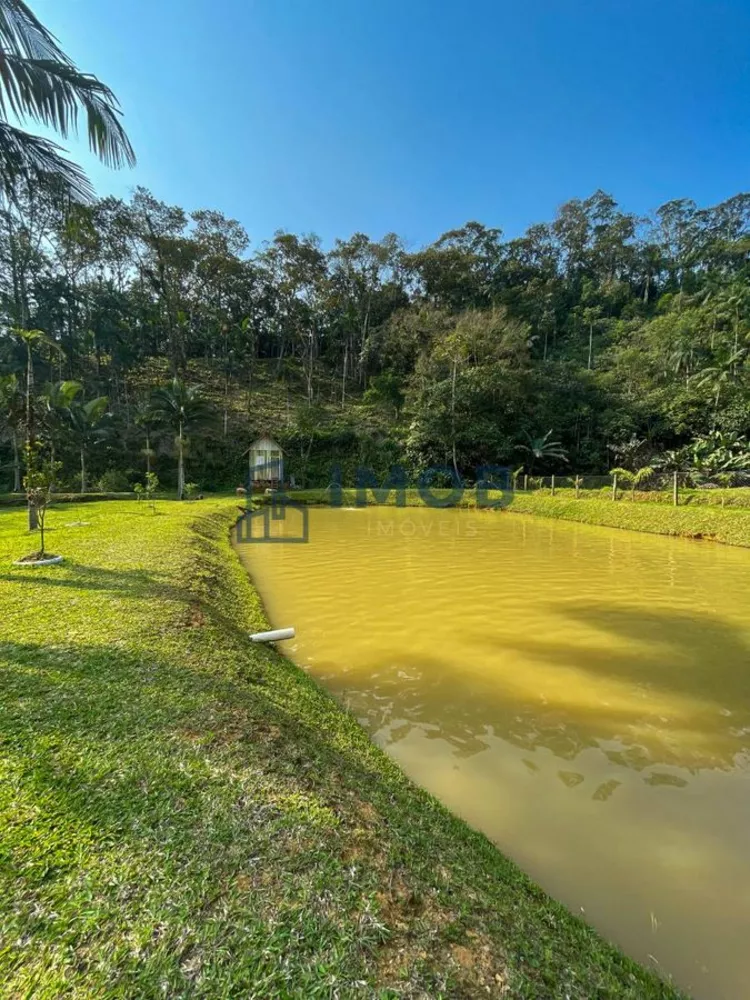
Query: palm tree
point(39, 82)
point(57, 399)
point(181, 409)
point(11, 421)
point(147, 420)
point(86, 423)
point(541, 449)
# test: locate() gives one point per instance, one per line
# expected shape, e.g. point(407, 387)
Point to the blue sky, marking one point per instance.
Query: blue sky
point(333, 116)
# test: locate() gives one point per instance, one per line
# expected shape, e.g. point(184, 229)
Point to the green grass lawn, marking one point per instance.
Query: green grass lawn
point(730, 525)
point(185, 814)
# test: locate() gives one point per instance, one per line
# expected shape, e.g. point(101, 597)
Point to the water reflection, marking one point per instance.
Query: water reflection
point(661, 691)
point(581, 694)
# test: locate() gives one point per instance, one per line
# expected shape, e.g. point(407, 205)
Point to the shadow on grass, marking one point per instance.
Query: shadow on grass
point(78, 576)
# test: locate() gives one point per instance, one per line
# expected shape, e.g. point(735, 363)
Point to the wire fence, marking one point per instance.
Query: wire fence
point(722, 489)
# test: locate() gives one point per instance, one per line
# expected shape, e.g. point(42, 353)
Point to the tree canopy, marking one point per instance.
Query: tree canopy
point(602, 332)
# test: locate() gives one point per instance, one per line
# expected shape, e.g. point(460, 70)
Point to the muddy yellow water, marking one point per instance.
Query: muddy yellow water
point(582, 695)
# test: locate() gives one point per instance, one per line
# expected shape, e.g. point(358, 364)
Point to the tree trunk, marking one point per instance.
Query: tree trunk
point(16, 464)
point(250, 386)
point(365, 334)
point(180, 466)
point(736, 341)
point(30, 435)
point(83, 471)
point(148, 454)
point(310, 369)
point(453, 417)
point(280, 358)
point(591, 344)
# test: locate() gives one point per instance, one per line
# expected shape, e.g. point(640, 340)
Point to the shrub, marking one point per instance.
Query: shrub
point(39, 483)
point(148, 492)
point(114, 481)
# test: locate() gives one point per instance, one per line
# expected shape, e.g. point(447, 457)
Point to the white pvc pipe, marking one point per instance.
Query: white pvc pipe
point(279, 633)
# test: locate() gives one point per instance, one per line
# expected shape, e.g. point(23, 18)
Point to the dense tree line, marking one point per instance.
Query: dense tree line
point(627, 337)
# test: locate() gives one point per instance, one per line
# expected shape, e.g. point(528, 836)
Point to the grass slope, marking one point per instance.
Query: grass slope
point(185, 814)
point(727, 525)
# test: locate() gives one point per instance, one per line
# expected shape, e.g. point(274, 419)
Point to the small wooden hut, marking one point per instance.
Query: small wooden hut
point(266, 464)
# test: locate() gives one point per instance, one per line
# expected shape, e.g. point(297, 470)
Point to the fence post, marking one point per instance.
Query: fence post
point(675, 490)
point(578, 486)
point(525, 482)
point(614, 486)
point(553, 486)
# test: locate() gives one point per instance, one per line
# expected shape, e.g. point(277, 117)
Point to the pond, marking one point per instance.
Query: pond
point(580, 694)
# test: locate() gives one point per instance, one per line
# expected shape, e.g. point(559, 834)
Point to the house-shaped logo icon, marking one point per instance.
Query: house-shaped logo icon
point(263, 525)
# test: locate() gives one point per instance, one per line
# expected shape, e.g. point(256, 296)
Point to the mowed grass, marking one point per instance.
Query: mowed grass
point(731, 526)
point(185, 814)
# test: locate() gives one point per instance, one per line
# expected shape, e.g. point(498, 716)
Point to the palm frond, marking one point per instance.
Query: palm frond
point(59, 395)
point(95, 408)
point(37, 338)
point(22, 33)
point(39, 82)
point(25, 157)
point(178, 404)
point(53, 92)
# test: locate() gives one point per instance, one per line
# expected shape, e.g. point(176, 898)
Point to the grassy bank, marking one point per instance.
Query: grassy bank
point(184, 813)
point(738, 496)
point(730, 526)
